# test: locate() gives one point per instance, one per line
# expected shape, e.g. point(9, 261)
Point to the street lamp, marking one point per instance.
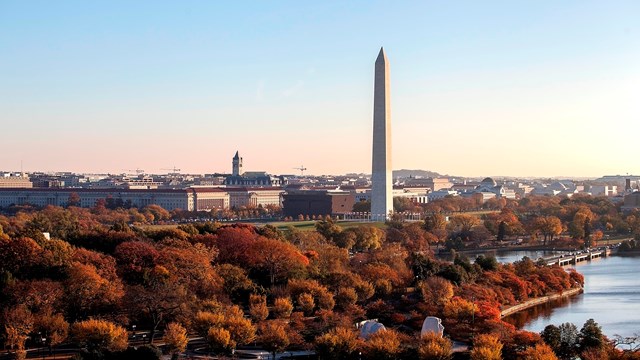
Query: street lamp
point(44, 340)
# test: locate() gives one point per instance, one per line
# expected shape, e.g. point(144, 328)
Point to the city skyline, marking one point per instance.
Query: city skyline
point(496, 89)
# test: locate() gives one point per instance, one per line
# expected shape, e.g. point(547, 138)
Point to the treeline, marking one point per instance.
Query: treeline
point(237, 285)
point(578, 221)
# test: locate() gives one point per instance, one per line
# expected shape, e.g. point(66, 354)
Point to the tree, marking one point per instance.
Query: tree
point(88, 293)
point(549, 226)
point(434, 347)
point(345, 297)
point(18, 323)
point(276, 259)
point(538, 352)
point(551, 336)
point(134, 259)
point(273, 337)
point(306, 303)
point(463, 222)
point(158, 301)
point(436, 291)
point(338, 343)
point(74, 199)
point(382, 345)
point(175, 338)
point(328, 229)
point(486, 347)
point(435, 222)
point(258, 307)
point(219, 340)
point(53, 327)
point(242, 331)
point(591, 336)
point(236, 283)
point(502, 230)
point(282, 308)
point(99, 335)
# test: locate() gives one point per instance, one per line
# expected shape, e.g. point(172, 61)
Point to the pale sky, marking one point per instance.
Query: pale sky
point(478, 88)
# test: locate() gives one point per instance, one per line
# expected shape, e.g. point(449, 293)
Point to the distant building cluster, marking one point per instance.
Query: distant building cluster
point(297, 195)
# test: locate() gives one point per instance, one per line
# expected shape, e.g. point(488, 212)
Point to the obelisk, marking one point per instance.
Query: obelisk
point(381, 174)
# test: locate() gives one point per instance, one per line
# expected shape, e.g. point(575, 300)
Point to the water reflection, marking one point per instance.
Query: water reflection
point(611, 297)
point(543, 311)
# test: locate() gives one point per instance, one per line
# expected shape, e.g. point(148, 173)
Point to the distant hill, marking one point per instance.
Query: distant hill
point(404, 173)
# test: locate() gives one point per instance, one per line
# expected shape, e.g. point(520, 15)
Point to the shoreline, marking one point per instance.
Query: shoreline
point(539, 300)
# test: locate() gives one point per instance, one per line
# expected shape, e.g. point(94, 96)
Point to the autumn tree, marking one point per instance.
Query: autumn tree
point(306, 303)
point(135, 258)
point(383, 345)
point(229, 318)
point(98, 335)
point(175, 338)
point(338, 343)
point(436, 292)
point(274, 337)
point(88, 293)
point(18, 323)
point(328, 229)
point(486, 347)
point(282, 308)
point(463, 223)
point(538, 352)
point(204, 320)
point(53, 327)
point(434, 347)
point(159, 300)
point(278, 260)
point(219, 340)
point(236, 283)
point(549, 226)
point(258, 307)
point(73, 200)
point(580, 226)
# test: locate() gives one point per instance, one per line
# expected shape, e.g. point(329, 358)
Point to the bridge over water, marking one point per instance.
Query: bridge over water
point(576, 257)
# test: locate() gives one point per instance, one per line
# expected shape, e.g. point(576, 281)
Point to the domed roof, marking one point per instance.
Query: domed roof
point(488, 181)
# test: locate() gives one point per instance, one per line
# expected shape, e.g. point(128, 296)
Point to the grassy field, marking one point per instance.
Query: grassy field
point(310, 225)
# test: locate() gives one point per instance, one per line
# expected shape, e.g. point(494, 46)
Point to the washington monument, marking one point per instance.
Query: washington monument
point(381, 174)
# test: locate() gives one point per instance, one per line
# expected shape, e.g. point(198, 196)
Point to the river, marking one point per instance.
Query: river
point(611, 297)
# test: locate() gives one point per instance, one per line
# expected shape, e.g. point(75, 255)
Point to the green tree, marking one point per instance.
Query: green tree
point(591, 336)
point(502, 230)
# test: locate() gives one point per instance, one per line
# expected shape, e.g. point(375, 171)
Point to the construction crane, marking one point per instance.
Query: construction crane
point(174, 170)
point(302, 169)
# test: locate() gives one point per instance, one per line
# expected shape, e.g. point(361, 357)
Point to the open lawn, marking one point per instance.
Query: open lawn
point(310, 225)
point(281, 225)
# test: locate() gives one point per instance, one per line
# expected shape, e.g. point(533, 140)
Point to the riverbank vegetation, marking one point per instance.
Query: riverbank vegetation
point(97, 276)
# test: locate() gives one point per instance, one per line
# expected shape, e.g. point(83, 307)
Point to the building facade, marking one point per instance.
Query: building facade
point(317, 203)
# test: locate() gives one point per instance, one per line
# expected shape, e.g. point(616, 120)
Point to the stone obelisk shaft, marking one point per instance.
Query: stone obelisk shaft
point(381, 176)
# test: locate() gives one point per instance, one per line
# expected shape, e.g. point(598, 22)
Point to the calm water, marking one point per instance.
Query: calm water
point(611, 297)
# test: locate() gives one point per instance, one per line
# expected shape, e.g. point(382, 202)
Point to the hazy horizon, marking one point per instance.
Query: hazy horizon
point(477, 88)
